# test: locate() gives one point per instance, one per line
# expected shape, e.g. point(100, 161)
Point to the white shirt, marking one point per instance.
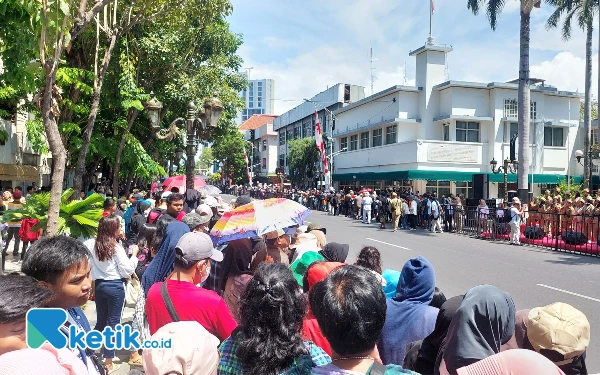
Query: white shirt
point(116, 268)
point(434, 208)
point(405, 209)
point(366, 203)
point(413, 207)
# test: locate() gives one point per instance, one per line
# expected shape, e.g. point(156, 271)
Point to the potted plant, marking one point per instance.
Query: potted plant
point(3, 137)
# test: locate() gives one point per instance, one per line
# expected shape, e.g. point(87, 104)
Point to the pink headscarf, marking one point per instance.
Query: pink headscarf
point(512, 362)
point(43, 361)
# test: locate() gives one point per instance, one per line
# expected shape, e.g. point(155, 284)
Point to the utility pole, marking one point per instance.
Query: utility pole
point(372, 70)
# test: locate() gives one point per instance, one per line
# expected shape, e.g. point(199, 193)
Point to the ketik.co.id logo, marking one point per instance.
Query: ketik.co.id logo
point(47, 325)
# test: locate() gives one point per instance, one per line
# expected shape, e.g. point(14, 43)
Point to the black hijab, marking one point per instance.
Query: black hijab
point(484, 321)
point(335, 252)
point(236, 260)
point(425, 363)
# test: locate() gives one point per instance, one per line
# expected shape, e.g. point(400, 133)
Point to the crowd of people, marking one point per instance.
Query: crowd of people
point(290, 302)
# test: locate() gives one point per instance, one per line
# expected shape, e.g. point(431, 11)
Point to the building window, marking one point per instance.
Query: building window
point(553, 136)
point(594, 137)
point(354, 142)
point(446, 132)
point(282, 160)
point(289, 134)
point(533, 111)
point(343, 143)
point(390, 134)
point(264, 145)
point(264, 163)
point(441, 187)
point(297, 133)
point(510, 108)
point(259, 104)
point(377, 137)
point(464, 188)
point(259, 84)
point(510, 130)
point(364, 140)
point(467, 131)
point(307, 129)
point(281, 137)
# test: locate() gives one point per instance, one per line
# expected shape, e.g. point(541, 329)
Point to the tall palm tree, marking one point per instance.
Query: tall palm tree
point(493, 8)
point(583, 13)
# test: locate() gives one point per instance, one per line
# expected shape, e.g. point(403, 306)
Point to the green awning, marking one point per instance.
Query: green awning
point(455, 176)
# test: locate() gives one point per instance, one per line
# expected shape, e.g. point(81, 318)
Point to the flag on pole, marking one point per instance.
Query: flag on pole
point(247, 168)
point(432, 7)
point(321, 147)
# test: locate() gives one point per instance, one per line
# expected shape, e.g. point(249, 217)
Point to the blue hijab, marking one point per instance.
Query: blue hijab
point(162, 264)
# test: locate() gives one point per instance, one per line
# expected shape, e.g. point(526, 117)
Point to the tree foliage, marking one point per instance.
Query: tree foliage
point(303, 157)
point(229, 149)
point(206, 159)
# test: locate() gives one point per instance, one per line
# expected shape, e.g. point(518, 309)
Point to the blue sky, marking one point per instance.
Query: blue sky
point(306, 45)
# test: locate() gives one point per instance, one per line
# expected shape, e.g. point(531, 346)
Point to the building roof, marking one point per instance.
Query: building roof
point(256, 121)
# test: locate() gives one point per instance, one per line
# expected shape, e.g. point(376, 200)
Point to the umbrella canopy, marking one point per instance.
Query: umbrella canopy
point(257, 218)
point(179, 181)
point(210, 190)
point(365, 190)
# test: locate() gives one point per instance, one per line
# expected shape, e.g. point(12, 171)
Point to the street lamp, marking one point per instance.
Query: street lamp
point(508, 167)
point(199, 125)
point(579, 155)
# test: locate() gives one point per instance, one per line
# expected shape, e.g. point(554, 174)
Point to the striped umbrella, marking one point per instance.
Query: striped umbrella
point(258, 218)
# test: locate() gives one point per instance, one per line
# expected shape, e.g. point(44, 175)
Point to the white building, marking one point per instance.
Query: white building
point(259, 99)
point(299, 122)
point(262, 146)
point(436, 135)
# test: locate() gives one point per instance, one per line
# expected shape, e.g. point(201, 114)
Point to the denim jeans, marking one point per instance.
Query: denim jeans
point(110, 300)
point(13, 232)
point(403, 222)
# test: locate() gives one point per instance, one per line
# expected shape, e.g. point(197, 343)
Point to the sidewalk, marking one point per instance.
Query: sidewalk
point(90, 312)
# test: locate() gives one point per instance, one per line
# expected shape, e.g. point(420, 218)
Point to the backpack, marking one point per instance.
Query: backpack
point(507, 216)
point(25, 233)
point(155, 215)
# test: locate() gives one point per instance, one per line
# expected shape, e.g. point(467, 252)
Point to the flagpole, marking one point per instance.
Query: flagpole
point(431, 10)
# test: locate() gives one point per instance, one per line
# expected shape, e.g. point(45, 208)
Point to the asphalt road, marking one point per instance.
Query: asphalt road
point(532, 276)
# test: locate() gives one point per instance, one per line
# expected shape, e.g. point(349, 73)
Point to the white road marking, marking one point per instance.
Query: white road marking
point(567, 292)
point(389, 244)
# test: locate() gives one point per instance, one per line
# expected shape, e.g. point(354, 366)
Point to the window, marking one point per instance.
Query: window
point(259, 84)
point(264, 163)
point(264, 145)
point(510, 130)
point(354, 142)
point(390, 134)
point(446, 132)
point(442, 187)
point(467, 131)
point(400, 184)
point(259, 104)
point(553, 136)
point(377, 137)
point(464, 188)
point(307, 128)
point(594, 137)
point(533, 111)
point(282, 160)
point(297, 130)
point(510, 108)
point(289, 134)
point(343, 143)
point(364, 140)
point(281, 137)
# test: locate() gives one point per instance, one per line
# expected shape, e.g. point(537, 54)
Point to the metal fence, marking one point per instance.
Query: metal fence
point(573, 233)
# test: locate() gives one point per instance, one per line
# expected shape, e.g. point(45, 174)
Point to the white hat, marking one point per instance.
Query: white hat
point(165, 195)
point(211, 201)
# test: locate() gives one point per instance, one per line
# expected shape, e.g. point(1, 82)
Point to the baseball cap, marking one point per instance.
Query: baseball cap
point(275, 234)
point(315, 226)
point(558, 331)
point(211, 201)
point(516, 200)
point(193, 220)
point(193, 350)
point(242, 199)
point(165, 195)
point(17, 194)
point(195, 246)
point(204, 210)
point(138, 196)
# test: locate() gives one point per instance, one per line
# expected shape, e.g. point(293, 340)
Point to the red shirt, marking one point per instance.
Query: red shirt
point(191, 304)
point(312, 332)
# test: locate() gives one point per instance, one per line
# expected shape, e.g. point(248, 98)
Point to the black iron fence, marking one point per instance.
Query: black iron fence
point(562, 231)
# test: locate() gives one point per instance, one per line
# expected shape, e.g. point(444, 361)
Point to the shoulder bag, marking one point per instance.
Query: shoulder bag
point(168, 302)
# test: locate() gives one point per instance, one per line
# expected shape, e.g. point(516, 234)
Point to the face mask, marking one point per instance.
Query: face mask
point(204, 278)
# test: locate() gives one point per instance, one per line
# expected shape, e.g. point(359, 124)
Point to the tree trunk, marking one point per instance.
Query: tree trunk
point(87, 135)
point(128, 184)
point(587, 105)
point(524, 108)
point(131, 116)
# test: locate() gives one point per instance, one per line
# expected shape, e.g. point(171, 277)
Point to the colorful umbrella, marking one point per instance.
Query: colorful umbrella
point(257, 218)
point(179, 181)
point(210, 190)
point(365, 190)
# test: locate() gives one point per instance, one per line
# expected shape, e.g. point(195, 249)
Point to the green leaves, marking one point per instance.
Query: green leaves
point(303, 156)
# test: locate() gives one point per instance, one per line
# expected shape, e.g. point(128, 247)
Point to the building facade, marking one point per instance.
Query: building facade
point(262, 147)
point(299, 122)
point(259, 99)
point(438, 134)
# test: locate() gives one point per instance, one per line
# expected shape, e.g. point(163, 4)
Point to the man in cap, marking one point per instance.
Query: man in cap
point(190, 302)
point(276, 250)
point(196, 222)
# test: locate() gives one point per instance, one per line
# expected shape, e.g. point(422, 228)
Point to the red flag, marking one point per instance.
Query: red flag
point(247, 169)
point(432, 7)
point(321, 146)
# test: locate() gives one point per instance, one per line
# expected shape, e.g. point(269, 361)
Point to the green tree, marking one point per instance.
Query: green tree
point(583, 13)
point(303, 157)
point(493, 8)
point(206, 159)
point(229, 149)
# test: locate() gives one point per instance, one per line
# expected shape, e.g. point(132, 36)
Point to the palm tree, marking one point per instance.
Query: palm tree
point(493, 8)
point(583, 12)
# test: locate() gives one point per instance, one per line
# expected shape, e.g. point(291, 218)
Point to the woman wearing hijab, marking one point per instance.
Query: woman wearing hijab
point(235, 273)
point(512, 362)
point(335, 252)
point(424, 363)
point(483, 323)
point(162, 264)
point(138, 219)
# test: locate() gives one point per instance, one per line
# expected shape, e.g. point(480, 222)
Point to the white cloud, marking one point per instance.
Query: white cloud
point(276, 42)
point(567, 72)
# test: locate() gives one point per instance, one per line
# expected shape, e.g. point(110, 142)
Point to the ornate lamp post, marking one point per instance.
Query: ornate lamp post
point(199, 125)
point(508, 167)
point(593, 157)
